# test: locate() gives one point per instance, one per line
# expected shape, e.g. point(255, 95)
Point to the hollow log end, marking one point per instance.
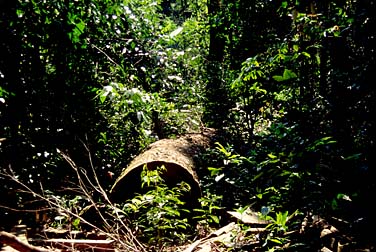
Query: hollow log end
point(128, 185)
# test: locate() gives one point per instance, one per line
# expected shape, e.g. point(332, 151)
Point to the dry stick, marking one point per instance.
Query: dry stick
point(49, 201)
point(12, 241)
point(100, 190)
point(108, 57)
point(104, 194)
point(25, 210)
point(56, 205)
point(80, 180)
point(82, 184)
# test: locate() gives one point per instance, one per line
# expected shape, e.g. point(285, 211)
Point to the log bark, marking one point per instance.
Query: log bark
point(180, 158)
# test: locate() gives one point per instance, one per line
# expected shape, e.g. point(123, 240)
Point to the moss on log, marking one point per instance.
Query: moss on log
point(180, 158)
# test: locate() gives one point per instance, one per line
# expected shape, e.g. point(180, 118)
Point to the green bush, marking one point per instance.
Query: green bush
point(158, 216)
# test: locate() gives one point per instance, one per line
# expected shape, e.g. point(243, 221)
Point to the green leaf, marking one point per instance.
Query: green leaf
point(219, 177)
point(288, 74)
point(343, 197)
point(352, 157)
point(278, 78)
point(176, 32)
point(104, 93)
point(306, 54)
point(214, 218)
point(214, 171)
point(272, 156)
point(76, 223)
point(276, 240)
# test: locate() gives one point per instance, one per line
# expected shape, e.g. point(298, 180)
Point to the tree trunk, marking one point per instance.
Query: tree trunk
point(216, 95)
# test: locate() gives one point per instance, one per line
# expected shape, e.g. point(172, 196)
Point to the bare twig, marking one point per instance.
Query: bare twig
point(24, 210)
point(126, 240)
point(97, 186)
point(108, 57)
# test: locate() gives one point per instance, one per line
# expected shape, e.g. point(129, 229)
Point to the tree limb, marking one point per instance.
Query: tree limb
point(12, 241)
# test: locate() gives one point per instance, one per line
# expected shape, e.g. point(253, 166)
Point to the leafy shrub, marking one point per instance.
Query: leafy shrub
point(158, 216)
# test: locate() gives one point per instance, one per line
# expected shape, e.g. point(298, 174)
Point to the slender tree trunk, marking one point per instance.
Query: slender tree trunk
point(216, 95)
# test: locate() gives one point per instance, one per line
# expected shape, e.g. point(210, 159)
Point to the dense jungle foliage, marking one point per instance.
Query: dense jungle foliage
point(95, 82)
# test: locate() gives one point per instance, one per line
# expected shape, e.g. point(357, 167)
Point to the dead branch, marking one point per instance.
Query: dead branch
point(82, 176)
point(135, 246)
point(12, 241)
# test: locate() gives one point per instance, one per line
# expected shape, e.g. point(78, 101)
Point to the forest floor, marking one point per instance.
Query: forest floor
point(316, 235)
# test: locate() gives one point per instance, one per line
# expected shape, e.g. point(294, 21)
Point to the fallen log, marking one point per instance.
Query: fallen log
point(179, 157)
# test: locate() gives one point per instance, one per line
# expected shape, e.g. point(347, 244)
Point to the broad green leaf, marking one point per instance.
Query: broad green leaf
point(176, 32)
point(288, 74)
